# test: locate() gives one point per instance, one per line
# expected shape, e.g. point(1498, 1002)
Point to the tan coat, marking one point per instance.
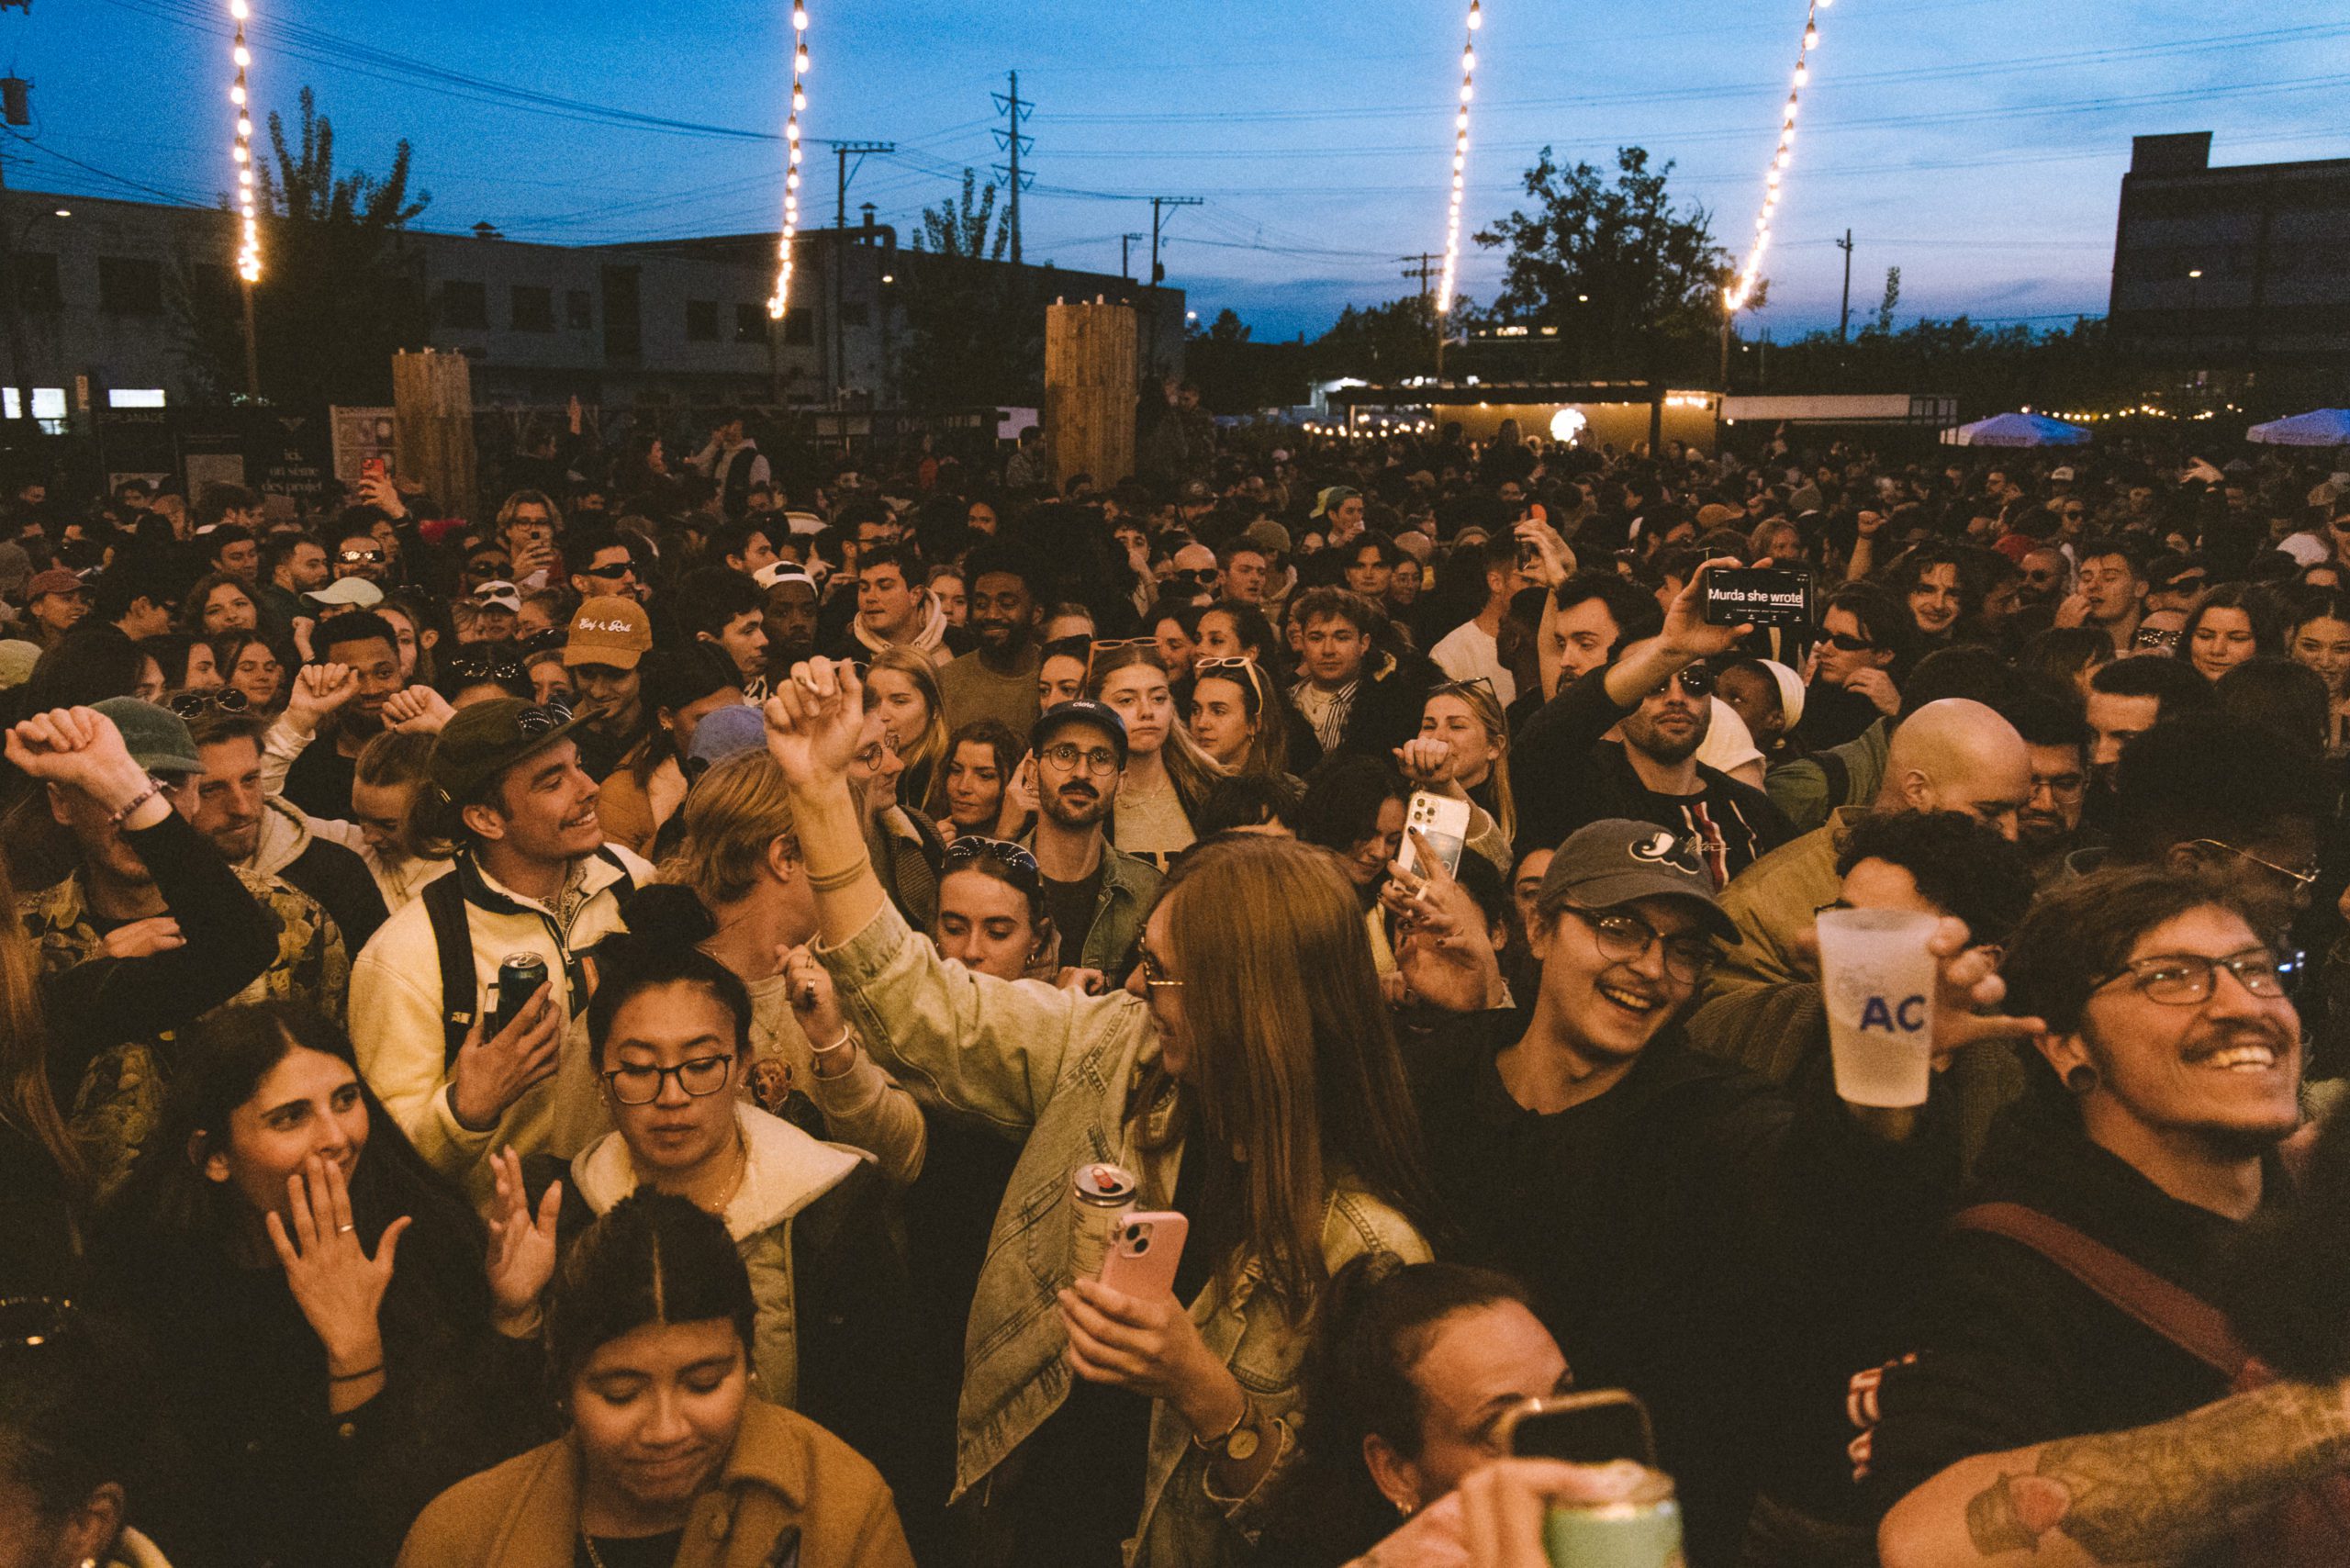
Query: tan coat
point(786, 1474)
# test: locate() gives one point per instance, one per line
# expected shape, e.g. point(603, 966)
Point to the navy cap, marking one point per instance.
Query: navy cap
point(1081, 710)
point(1616, 861)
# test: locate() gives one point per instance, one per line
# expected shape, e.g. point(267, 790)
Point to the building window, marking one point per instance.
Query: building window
point(135, 398)
point(463, 304)
point(128, 285)
point(576, 311)
point(533, 308)
point(750, 323)
point(37, 285)
point(799, 328)
point(856, 313)
point(701, 320)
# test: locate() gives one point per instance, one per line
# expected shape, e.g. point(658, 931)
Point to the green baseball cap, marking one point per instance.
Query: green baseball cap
point(156, 737)
point(484, 739)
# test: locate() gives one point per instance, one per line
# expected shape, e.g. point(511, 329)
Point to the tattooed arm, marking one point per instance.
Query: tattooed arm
point(2155, 1494)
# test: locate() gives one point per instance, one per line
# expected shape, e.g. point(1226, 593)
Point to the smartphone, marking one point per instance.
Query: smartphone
point(1759, 596)
point(1445, 823)
point(374, 468)
point(1144, 1253)
point(1596, 1428)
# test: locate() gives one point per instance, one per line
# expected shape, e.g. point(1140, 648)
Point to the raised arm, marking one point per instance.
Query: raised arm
point(2155, 1494)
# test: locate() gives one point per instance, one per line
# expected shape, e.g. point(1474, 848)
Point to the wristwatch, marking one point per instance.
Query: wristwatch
point(1238, 1442)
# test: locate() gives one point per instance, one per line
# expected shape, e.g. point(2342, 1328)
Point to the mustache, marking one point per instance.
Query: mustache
point(2212, 1041)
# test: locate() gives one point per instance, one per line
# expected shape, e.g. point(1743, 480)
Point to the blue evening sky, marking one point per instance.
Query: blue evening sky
point(1976, 144)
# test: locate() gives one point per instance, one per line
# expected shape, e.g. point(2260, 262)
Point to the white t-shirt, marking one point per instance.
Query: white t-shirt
point(1467, 652)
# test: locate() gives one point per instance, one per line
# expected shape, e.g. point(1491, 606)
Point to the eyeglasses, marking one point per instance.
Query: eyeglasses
point(614, 572)
point(1067, 755)
point(642, 1085)
point(360, 557)
point(1154, 973)
point(1697, 683)
point(2298, 878)
point(2154, 637)
point(871, 757)
point(1012, 856)
point(1626, 938)
point(2182, 979)
point(541, 717)
point(1195, 577)
point(1844, 642)
point(189, 704)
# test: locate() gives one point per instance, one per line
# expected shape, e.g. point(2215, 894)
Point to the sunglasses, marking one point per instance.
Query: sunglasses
point(1844, 642)
point(614, 572)
point(189, 704)
point(489, 566)
point(538, 719)
point(1012, 856)
point(471, 670)
point(1697, 683)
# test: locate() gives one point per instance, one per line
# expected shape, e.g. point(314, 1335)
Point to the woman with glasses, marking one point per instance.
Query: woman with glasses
point(218, 604)
point(751, 909)
point(1167, 777)
point(336, 1338)
point(1160, 1416)
point(915, 717)
point(982, 759)
point(1238, 717)
point(2225, 626)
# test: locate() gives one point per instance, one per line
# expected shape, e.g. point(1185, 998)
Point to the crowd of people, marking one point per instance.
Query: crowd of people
point(618, 1031)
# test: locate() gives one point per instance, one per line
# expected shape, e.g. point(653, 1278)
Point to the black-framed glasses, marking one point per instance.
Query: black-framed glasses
point(192, 704)
point(1067, 755)
point(2300, 879)
point(29, 1322)
point(614, 572)
point(1845, 643)
point(699, 1077)
point(1014, 858)
point(360, 558)
point(2182, 979)
point(1625, 938)
point(539, 718)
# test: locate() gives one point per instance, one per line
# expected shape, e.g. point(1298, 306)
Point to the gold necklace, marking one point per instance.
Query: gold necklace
point(742, 1169)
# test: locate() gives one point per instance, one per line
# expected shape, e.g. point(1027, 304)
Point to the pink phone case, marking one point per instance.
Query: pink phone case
point(1145, 1252)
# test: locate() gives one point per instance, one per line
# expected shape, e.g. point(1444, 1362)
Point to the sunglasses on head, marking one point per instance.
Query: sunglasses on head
point(541, 717)
point(189, 704)
point(501, 671)
point(1012, 856)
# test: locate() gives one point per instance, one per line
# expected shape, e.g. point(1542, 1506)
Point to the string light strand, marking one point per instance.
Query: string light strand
point(1750, 272)
point(241, 98)
point(1459, 160)
point(782, 298)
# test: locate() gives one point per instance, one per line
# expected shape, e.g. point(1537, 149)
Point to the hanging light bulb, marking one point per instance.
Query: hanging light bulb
point(780, 301)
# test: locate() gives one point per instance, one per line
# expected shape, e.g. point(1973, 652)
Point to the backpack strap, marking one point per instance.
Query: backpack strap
point(445, 904)
point(2178, 1315)
point(627, 884)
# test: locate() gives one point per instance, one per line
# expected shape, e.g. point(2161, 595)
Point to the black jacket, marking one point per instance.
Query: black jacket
point(1670, 1227)
point(1385, 714)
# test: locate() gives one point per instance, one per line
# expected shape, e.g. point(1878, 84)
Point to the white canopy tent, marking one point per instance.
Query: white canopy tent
point(2318, 427)
point(2016, 430)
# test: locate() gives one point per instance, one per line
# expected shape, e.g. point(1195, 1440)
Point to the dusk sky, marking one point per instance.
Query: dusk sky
point(1976, 144)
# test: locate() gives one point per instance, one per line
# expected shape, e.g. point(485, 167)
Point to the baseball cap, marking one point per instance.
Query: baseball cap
point(2060, 474)
point(156, 737)
point(1267, 535)
point(1197, 493)
point(503, 595)
point(57, 579)
point(1614, 861)
point(726, 731)
point(1081, 711)
point(1331, 498)
point(776, 572)
point(484, 739)
point(609, 631)
point(356, 593)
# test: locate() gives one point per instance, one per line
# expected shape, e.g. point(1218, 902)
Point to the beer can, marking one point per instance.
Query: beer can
point(520, 975)
point(1642, 1530)
point(1100, 1194)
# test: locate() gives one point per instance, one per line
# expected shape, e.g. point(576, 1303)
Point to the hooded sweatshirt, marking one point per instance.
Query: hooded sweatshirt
point(930, 641)
point(330, 872)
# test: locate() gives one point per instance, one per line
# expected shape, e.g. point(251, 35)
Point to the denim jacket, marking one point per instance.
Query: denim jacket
point(1053, 1068)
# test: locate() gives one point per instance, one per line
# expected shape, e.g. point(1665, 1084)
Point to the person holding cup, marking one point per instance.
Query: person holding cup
point(1661, 1203)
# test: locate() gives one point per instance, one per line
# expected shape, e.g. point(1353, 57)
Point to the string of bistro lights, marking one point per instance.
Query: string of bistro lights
point(1459, 160)
point(782, 299)
point(249, 249)
point(1736, 295)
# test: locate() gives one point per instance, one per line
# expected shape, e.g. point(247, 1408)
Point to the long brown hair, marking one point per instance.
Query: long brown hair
point(1260, 698)
point(1190, 770)
point(1295, 1059)
point(26, 1102)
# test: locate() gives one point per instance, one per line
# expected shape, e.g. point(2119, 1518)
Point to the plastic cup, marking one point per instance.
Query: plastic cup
point(1877, 977)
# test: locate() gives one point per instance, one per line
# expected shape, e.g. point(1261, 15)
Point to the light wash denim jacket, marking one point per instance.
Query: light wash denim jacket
point(1053, 1068)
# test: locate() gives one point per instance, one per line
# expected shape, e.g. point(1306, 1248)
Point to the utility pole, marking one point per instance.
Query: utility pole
point(1427, 272)
point(837, 264)
point(1014, 110)
point(1158, 272)
point(1845, 317)
point(1125, 267)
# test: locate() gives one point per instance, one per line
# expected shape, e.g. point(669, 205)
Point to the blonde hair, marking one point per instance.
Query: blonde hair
point(734, 816)
point(1485, 706)
point(1293, 1053)
point(26, 1102)
point(924, 784)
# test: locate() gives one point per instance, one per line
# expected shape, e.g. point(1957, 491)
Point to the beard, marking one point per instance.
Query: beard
point(1075, 806)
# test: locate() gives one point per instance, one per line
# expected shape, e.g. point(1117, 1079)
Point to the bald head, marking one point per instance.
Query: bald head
point(1958, 755)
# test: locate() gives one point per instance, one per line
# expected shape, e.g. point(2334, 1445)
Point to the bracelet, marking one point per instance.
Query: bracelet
point(1210, 1445)
point(354, 1377)
point(848, 1032)
point(140, 799)
point(847, 1042)
point(833, 882)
